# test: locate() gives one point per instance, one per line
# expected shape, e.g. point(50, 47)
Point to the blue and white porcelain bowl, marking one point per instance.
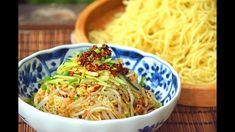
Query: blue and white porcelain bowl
point(162, 80)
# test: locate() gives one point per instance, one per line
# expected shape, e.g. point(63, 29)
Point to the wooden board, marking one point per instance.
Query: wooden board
point(100, 12)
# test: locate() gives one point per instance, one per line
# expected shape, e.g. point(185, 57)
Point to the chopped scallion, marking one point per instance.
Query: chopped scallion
point(66, 73)
point(47, 78)
point(142, 81)
point(78, 53)
point(44, 87)
point(75, 97)
point(97, 51)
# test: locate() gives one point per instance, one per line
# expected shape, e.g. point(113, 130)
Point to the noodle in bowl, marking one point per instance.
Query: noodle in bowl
point(163, 82)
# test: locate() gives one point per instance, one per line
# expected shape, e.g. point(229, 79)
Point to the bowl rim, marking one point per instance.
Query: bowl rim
point(21, 103)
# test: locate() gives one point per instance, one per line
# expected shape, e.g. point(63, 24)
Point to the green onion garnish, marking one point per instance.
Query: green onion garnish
point(75, 97)
point(142, 81)
point(97, 51)
point(78, 53)
point(66, 73)
point(47, 78)
point(44, 87)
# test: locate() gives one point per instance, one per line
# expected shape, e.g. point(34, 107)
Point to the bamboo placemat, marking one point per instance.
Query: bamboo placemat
point(183, 118)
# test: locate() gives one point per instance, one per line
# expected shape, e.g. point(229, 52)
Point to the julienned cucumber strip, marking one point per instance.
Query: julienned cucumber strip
point(129, 82)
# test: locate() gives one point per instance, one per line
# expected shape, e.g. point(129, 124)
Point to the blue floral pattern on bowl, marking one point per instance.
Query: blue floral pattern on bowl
point(151, 128)
point(160, 79)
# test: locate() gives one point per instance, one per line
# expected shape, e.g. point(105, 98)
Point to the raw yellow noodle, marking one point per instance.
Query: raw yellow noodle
point(183, 32)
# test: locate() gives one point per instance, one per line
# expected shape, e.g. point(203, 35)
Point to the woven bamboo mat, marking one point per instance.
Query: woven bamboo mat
point(183, 118)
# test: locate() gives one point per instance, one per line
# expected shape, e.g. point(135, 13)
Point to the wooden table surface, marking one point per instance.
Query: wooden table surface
point(34, 36)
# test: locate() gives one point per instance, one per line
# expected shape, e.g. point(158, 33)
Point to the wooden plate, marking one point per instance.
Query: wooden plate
point(100, 12)
point(95, 16)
